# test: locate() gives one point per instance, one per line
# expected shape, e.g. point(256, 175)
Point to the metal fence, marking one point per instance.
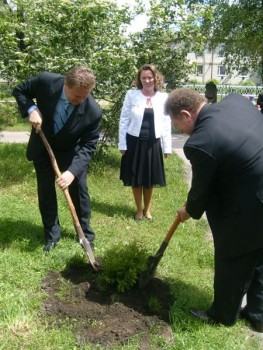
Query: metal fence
point(223, 90)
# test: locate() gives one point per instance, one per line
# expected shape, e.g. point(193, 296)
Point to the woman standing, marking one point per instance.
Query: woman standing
point(144, 136)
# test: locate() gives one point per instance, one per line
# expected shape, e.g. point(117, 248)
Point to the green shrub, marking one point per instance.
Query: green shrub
point(247, 83)
point(193, 81)
point(5, 91)
point(8, 114)
point(215, 81)
point(122, 266)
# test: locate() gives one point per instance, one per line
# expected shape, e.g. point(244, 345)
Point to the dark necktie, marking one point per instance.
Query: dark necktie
point(62, 118)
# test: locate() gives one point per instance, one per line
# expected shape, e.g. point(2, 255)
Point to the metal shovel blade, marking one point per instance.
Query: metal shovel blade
point(85, 244)
point(153, 261)
point(152, 264)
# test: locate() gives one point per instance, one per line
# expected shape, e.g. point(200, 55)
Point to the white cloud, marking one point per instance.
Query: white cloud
point(140, 22)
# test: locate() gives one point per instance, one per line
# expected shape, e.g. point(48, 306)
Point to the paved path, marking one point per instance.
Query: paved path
point(14, 136)
point(178, 141)
point(23, 136)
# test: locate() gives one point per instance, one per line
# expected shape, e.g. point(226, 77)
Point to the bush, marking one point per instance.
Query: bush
point(247, 83)
point(215, 81)
point(8, 114)
point(5, 90)
point(122, 266)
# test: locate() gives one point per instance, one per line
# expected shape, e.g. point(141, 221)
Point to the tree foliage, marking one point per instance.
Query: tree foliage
point(237, 26)
point(54, 35)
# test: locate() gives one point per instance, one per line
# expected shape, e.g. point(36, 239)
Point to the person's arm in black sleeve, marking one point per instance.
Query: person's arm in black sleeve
point(204, 172)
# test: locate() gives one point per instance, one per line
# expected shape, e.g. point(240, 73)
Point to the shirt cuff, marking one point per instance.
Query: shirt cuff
point(31, 109)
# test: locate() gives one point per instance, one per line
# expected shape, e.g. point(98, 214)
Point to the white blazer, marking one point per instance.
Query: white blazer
point(132, 116)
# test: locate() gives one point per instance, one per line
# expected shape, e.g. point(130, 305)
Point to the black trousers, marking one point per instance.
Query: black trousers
point(47, 197)
point(233, 279)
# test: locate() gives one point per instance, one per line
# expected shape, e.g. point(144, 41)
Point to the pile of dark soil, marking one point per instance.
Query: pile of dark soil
point(107, 317)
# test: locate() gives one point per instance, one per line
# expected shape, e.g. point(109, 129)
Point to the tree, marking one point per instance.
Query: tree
point(237, 27)
point(55, 35)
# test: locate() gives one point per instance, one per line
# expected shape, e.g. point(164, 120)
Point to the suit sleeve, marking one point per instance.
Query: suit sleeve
point(204, 172)
point(24, 94)
point(28, 92)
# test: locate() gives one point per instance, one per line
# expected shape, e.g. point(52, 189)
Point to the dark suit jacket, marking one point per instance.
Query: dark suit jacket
point(260, 101)
point(226, 153)
point(78, 138)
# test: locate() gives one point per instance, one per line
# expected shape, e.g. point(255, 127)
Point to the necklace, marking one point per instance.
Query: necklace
point(148, 98)
point(148, 102)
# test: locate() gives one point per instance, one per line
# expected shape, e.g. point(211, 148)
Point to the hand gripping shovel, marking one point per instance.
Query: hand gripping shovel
point(82, 239)
point(153, 261)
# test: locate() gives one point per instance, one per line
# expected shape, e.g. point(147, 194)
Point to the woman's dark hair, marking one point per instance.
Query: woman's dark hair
point(158, 77)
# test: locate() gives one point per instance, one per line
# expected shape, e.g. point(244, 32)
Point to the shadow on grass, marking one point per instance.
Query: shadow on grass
point(188, 296)
point(29, 235)
point(14, 167)
point(111, 210)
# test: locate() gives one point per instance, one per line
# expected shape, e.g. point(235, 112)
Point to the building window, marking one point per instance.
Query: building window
point(243, 75)
point(199, 69)
point(221, 52)
point(221, 71)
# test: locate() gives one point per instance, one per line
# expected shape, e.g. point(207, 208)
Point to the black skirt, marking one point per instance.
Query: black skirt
point(142, 164)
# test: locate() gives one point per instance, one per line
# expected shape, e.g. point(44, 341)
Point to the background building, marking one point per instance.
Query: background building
point(210, 65)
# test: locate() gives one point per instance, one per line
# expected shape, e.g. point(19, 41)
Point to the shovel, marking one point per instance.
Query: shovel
point(153, 261)
point(82, 239)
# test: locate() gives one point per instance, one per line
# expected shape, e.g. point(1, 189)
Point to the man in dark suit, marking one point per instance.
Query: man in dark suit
point(260, 101)
point(225, 149)
point(69, 116)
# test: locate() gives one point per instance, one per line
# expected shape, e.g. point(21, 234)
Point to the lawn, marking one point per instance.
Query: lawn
point(187, 265)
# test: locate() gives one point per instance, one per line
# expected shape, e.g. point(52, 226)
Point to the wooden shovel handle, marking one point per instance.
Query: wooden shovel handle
point(172, 229)
point(83, 240)
point(51, 154)
point(66, 192)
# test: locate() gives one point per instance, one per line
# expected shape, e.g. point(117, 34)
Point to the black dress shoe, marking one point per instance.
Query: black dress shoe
point(202, 316)
point(256, 326)
point(49, 246)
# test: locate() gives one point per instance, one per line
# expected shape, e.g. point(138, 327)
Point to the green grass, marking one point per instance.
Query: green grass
point(22, 124)
point(187, 264)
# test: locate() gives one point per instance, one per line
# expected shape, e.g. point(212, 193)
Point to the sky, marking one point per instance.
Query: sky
point(139, 23)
